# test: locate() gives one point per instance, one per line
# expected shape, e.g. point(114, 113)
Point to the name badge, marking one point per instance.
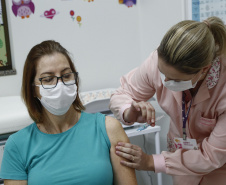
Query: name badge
point(189, 144)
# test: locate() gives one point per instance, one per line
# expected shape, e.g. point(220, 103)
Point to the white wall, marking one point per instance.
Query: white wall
point(112, 40)
point(155, 18)
point(104, 47)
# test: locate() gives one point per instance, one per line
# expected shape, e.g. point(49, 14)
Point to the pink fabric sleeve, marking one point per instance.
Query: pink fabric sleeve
point(159, 162)
point(137, 86)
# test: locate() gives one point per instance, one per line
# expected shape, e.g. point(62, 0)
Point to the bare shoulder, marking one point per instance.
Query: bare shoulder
point(113, 125)
point(115, 130)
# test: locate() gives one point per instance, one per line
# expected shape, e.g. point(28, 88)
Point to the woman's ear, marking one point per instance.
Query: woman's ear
point(206, 69)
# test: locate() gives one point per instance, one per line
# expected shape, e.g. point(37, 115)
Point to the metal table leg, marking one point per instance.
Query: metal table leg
point(157, 150)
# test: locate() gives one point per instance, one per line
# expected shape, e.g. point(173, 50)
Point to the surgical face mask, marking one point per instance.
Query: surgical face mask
point(178, 86)
point(59, 99)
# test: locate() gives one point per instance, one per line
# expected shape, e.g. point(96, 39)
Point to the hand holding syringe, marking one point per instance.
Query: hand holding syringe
point(144, 126)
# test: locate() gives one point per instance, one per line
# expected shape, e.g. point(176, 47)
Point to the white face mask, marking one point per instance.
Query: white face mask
point(59, 99)
point(178, 86)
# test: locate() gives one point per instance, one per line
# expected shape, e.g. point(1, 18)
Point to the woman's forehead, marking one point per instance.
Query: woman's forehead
point(170, 72)
point(52, 62)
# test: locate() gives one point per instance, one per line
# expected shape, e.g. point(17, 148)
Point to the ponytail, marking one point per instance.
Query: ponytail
point(190, 45)
point(218, 30)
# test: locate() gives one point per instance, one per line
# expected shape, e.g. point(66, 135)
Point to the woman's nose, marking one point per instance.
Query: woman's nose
point(59, 79)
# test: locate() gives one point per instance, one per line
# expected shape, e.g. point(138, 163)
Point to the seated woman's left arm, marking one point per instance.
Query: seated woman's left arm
point(122, 175)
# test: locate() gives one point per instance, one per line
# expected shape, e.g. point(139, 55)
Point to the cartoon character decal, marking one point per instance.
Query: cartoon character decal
point(128, 3)
point(49, 14)
point(23, 8)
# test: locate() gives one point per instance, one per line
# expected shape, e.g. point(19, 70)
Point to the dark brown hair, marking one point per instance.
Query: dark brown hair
point(190, 45)
point(34, 106)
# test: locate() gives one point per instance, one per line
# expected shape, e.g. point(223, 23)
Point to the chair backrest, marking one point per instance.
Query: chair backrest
point(97, 100)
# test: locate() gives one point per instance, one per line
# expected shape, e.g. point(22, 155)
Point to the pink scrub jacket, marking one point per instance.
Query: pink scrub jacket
point(206, 122)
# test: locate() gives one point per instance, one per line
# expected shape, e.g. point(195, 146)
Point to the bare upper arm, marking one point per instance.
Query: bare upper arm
point(15, 182)
point(122, 174)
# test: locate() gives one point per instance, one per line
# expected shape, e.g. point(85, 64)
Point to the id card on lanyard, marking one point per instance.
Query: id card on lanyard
point(189, 144)
point(185, 143)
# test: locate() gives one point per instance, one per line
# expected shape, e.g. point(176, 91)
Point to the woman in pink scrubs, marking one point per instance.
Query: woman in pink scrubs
point(188, 74)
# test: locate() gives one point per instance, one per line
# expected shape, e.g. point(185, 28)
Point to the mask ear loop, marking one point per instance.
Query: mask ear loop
point(33, 90)
point(201, 76)
point(198, 79)
point(39, 89)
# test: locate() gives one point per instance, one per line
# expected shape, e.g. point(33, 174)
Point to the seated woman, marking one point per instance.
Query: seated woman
point(64, 145)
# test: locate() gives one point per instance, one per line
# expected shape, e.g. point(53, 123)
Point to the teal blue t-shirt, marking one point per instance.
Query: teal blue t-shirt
point(80, 155)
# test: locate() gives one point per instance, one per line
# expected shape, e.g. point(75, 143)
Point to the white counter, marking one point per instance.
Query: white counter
point(13, 114)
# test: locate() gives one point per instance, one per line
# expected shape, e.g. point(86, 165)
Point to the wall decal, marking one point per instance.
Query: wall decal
point(128, 3)
point(23, 8)
point(79, 19)
point(49, 14)
point(88, 0)
point(72, 13)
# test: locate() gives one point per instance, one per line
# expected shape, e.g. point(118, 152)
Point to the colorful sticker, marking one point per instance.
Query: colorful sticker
point(88, 0)
point(128, 3)
point(49, 14)
point(72, 13)
point(23, 8)
point(79, 19)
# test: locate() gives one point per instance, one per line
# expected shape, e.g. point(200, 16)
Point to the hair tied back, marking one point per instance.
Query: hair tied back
point(207, 23)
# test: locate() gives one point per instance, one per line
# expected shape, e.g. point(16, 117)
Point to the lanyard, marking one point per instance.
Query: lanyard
point(185, 116)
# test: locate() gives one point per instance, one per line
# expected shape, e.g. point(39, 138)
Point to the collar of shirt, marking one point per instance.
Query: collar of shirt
point(213, 74)
point(211, 79)
point(188, 96)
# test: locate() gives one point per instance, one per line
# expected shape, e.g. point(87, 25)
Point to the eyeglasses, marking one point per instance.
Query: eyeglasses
point(50, 82)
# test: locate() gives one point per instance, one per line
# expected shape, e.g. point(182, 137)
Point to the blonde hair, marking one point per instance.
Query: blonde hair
point(190, 45)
